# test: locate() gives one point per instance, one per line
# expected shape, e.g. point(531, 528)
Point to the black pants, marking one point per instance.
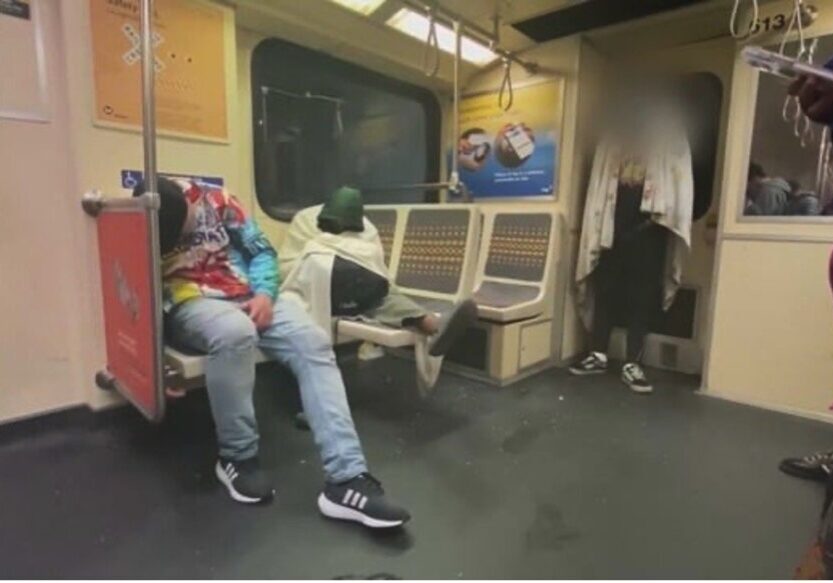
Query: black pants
point(628, 282)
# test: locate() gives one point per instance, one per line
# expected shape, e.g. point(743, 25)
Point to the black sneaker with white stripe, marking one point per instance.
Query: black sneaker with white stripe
point(816, 466)
point(634, 377)
point(363, 500)
point(245, 481)
point(593, 363)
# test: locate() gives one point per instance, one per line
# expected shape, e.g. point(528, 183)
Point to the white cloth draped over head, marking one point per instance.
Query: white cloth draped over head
point(306, 259)
point(668, 198)
point(307, 249)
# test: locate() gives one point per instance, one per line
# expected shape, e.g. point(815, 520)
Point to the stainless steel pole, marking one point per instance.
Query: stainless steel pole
point(455, 174)
point(148, 97)
point(151, 191)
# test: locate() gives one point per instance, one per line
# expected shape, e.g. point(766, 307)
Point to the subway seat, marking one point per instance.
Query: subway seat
point(441, 254)
point(515, 268)
point(191, 365)
point(431, 255)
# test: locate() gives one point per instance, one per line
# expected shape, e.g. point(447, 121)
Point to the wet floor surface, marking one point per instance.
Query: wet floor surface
point(554, 477)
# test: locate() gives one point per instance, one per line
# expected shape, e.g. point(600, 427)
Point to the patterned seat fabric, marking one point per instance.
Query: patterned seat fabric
point(434, 250)
point(518, 246)
point(385, 223)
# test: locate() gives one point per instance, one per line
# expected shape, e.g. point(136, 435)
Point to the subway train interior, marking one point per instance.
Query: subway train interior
point(418, 289)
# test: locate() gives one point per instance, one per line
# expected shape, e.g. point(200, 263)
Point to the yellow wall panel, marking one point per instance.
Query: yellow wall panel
point(773, 327)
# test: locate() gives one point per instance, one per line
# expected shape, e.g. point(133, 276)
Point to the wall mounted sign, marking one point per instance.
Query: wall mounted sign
point(130, 179)
point(189, 51)
point(127, 298)
point(512, 153)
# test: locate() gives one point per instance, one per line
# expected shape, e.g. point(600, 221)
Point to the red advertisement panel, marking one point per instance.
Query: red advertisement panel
point(128, 307)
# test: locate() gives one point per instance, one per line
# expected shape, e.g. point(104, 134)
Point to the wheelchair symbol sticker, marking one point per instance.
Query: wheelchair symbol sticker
point(130, 179)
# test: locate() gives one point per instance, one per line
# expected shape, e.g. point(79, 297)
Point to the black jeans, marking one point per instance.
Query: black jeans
point(628, 281)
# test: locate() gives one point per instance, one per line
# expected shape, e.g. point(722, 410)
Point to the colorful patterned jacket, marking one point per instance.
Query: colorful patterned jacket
point(225, 256)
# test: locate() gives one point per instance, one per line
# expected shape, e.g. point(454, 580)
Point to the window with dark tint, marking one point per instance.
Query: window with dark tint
point(320, 123)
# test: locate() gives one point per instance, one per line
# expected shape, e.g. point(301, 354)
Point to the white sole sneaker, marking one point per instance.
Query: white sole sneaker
point(641, 390)
point(338, 512)
point(236, 496)
point(580, 372)
point(456, 322)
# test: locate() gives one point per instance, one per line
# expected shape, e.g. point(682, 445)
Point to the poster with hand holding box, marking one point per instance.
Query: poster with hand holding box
point(514, 153)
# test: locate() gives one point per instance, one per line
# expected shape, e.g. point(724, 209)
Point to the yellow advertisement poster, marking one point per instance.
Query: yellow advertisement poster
point(514, 153)
point(190, 66)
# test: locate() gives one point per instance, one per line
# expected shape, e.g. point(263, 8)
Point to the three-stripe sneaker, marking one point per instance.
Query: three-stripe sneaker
point(816, 466)
point(363, 500)
point(244, 480)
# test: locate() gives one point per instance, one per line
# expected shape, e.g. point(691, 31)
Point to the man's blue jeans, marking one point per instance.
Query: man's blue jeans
point(229, 338)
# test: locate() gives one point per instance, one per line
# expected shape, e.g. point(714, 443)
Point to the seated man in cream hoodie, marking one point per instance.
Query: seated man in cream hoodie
point(332, 262)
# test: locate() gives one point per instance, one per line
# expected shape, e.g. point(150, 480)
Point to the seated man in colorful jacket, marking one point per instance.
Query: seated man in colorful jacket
point(220, 281)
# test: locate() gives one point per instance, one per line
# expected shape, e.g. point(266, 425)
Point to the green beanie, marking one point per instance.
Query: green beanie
point(343, 212)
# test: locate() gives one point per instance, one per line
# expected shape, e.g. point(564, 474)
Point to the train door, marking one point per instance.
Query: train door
point(699, 75)
point(43, 275)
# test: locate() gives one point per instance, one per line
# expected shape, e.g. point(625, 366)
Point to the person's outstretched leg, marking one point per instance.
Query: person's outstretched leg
point(351, 492)
point(398, 310)
point(228, 337)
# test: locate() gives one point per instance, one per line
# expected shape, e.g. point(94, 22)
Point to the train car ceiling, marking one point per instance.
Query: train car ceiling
point(587, 15)
point(354, 31)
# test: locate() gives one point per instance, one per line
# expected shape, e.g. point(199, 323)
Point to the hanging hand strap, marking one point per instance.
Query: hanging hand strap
point(733, 21)
point(432, 48)
point(507, 92)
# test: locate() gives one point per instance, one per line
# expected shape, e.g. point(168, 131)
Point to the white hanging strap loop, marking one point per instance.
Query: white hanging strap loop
point(791, 110)
point(339, 125)
point(828, 160)
point(506, 89)
point(807, 132)
point(798, 12)
point(733, 22)
point(431, 56)
point(796, 24)
point(811, 52)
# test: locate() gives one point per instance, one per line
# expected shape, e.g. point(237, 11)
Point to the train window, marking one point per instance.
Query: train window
point(320, 123)
point(790, 173)
point(701, 95)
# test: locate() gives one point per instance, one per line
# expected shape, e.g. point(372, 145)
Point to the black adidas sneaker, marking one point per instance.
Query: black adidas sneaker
point(244, 480)
point(363, 500)
point(816, 466)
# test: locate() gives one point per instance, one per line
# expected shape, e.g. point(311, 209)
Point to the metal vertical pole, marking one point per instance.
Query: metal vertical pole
point(151, 191)
point(455, 174)
point(148, 97)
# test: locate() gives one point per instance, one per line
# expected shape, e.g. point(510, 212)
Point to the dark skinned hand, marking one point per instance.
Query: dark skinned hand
point(815, 96)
